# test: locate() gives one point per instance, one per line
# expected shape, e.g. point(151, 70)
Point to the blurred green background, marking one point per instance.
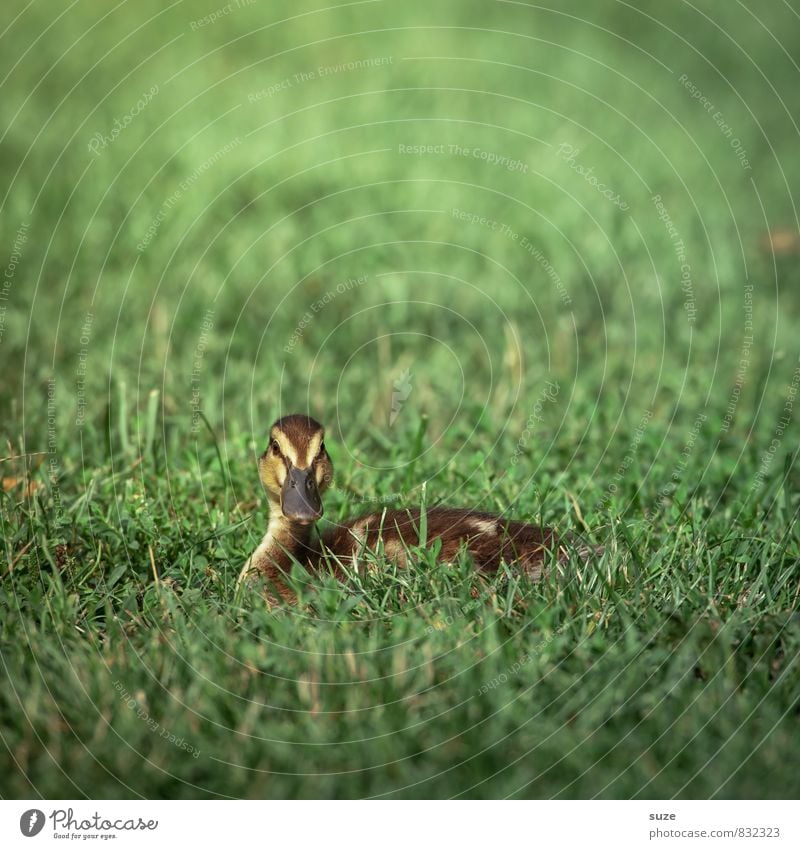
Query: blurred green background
point(214, 214)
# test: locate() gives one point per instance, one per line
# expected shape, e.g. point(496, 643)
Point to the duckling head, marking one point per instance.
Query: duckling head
point(296, 469)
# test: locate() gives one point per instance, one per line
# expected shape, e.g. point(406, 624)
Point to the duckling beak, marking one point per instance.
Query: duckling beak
point(300, 499)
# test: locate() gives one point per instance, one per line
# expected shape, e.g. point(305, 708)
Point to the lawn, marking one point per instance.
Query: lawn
point(534, 259)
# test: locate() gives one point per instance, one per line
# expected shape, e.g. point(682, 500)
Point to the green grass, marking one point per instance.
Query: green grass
point(559, 372)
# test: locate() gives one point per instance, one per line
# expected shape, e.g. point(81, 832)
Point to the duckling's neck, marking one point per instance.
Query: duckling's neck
point(284, 542)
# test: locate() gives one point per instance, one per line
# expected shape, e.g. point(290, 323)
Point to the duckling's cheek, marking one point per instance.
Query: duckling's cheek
point(272, 475)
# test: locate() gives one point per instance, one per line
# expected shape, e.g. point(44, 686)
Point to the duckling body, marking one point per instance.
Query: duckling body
point(295, 470)
point(488, 538)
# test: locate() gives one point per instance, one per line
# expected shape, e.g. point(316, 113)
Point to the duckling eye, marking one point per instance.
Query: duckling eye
point(274, 447)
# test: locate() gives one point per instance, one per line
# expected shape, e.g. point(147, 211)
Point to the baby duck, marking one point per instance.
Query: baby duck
point(296, 470)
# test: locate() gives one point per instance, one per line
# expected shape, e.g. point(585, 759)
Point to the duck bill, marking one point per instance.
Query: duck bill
point(300, 501)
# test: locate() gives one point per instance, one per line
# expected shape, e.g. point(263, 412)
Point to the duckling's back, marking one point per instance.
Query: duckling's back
point(488, 538)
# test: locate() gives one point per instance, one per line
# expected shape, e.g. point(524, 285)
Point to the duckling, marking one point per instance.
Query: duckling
point(296, 470)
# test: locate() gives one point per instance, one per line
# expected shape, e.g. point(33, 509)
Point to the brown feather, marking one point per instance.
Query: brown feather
point(489, 539)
